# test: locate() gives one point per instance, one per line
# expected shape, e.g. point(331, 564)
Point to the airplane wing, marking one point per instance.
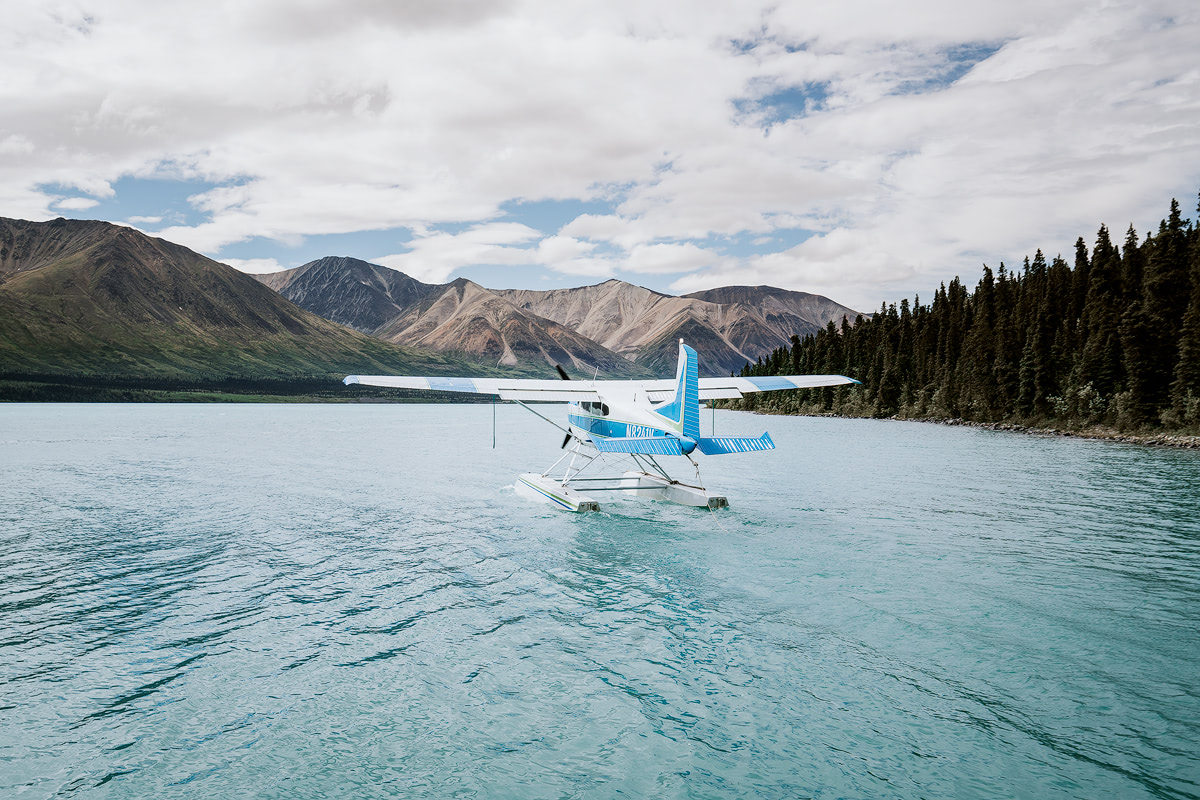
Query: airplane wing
point(731, 388)
point(523, 389)
point(526, 389)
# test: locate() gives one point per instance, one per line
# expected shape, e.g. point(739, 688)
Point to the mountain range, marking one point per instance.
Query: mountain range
point(81, 297)
point(615, 327)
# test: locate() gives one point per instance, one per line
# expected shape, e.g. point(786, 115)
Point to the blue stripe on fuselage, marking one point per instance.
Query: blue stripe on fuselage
point(612, 429)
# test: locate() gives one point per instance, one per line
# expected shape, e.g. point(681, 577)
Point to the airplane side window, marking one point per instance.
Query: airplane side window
point(604, 409)
point(587, 406)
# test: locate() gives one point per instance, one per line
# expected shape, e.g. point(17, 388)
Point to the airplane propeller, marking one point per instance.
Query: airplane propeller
point(562, 373)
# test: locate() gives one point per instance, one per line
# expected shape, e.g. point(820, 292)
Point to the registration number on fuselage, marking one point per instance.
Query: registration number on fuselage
point(641, 431)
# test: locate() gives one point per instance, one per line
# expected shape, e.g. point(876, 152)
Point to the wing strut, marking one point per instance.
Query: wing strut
point(543, 416)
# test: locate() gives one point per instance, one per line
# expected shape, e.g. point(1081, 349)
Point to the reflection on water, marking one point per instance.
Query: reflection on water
point(283, 601)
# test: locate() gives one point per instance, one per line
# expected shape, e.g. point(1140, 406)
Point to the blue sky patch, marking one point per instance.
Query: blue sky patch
point(548, 216)
point(453, 228)
point(365, 245)
point(785, 103)
point(957, 62)
point(164, 198)
point(748, 243)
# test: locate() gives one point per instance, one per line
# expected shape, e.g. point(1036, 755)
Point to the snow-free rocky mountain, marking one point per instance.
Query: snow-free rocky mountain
point(614, 326)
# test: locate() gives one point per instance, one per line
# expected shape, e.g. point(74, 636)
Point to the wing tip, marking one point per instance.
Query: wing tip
point(349, 379)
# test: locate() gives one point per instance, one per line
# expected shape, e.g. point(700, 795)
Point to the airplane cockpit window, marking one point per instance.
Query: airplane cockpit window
point(603, 409)
point(599, 409)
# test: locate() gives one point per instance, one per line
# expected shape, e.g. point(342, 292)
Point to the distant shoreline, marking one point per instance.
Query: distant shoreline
point(36, 388)
point(1159, 439)
point(1156, 439)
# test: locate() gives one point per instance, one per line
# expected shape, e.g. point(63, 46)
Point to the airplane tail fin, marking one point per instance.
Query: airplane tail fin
point(684, 408)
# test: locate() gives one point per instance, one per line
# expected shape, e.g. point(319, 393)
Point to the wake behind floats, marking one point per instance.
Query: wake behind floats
point(628, 421)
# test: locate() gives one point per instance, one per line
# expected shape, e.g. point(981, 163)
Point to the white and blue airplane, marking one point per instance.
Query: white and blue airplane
point(633, 419)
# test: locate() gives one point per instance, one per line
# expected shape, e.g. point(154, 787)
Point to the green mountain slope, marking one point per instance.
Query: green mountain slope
point(83, 297)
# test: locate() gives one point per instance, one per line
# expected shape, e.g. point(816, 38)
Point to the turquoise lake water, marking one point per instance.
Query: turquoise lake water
point(310, 601)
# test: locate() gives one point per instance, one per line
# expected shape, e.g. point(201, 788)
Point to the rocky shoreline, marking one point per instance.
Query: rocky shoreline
point(1157, 439)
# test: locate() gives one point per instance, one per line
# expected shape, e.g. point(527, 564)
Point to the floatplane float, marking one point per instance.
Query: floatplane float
point(635, 421)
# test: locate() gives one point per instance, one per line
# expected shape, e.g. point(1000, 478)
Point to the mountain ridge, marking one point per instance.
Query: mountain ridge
point(468, 317)
point(631, 329)
point(381, 293)
point(88, 297)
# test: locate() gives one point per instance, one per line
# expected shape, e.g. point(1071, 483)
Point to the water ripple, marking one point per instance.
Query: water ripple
point(358, 604)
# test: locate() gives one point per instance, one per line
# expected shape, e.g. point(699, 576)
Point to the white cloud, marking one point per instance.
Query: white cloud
point(669, 258)
point(328, 117)
point(14, 144)
point(434, 256)
point(556, 249)
point(76, 203)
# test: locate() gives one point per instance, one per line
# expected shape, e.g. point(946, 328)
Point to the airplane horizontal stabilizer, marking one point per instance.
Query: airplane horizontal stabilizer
point(723, 445)
point(647, 445)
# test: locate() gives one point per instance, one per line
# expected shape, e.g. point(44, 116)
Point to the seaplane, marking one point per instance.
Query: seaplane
point(632, 421)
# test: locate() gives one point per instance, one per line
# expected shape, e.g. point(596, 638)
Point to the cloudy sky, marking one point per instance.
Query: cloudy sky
point(861, 150)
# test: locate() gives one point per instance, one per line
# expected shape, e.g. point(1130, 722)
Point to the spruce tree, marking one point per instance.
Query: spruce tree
point(1080, 280)
point(1165, 297)
point(1132, 266)
point(1100, 365)
point(1185, 388)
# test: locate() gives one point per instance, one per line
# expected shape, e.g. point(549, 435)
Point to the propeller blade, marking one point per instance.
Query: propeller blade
point(562, 373)
point(566, 439)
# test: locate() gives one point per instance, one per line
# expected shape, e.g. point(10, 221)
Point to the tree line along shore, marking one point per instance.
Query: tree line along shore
point(1106, 346)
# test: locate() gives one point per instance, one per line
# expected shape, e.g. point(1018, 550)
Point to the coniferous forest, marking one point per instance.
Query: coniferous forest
point(1109, 339)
